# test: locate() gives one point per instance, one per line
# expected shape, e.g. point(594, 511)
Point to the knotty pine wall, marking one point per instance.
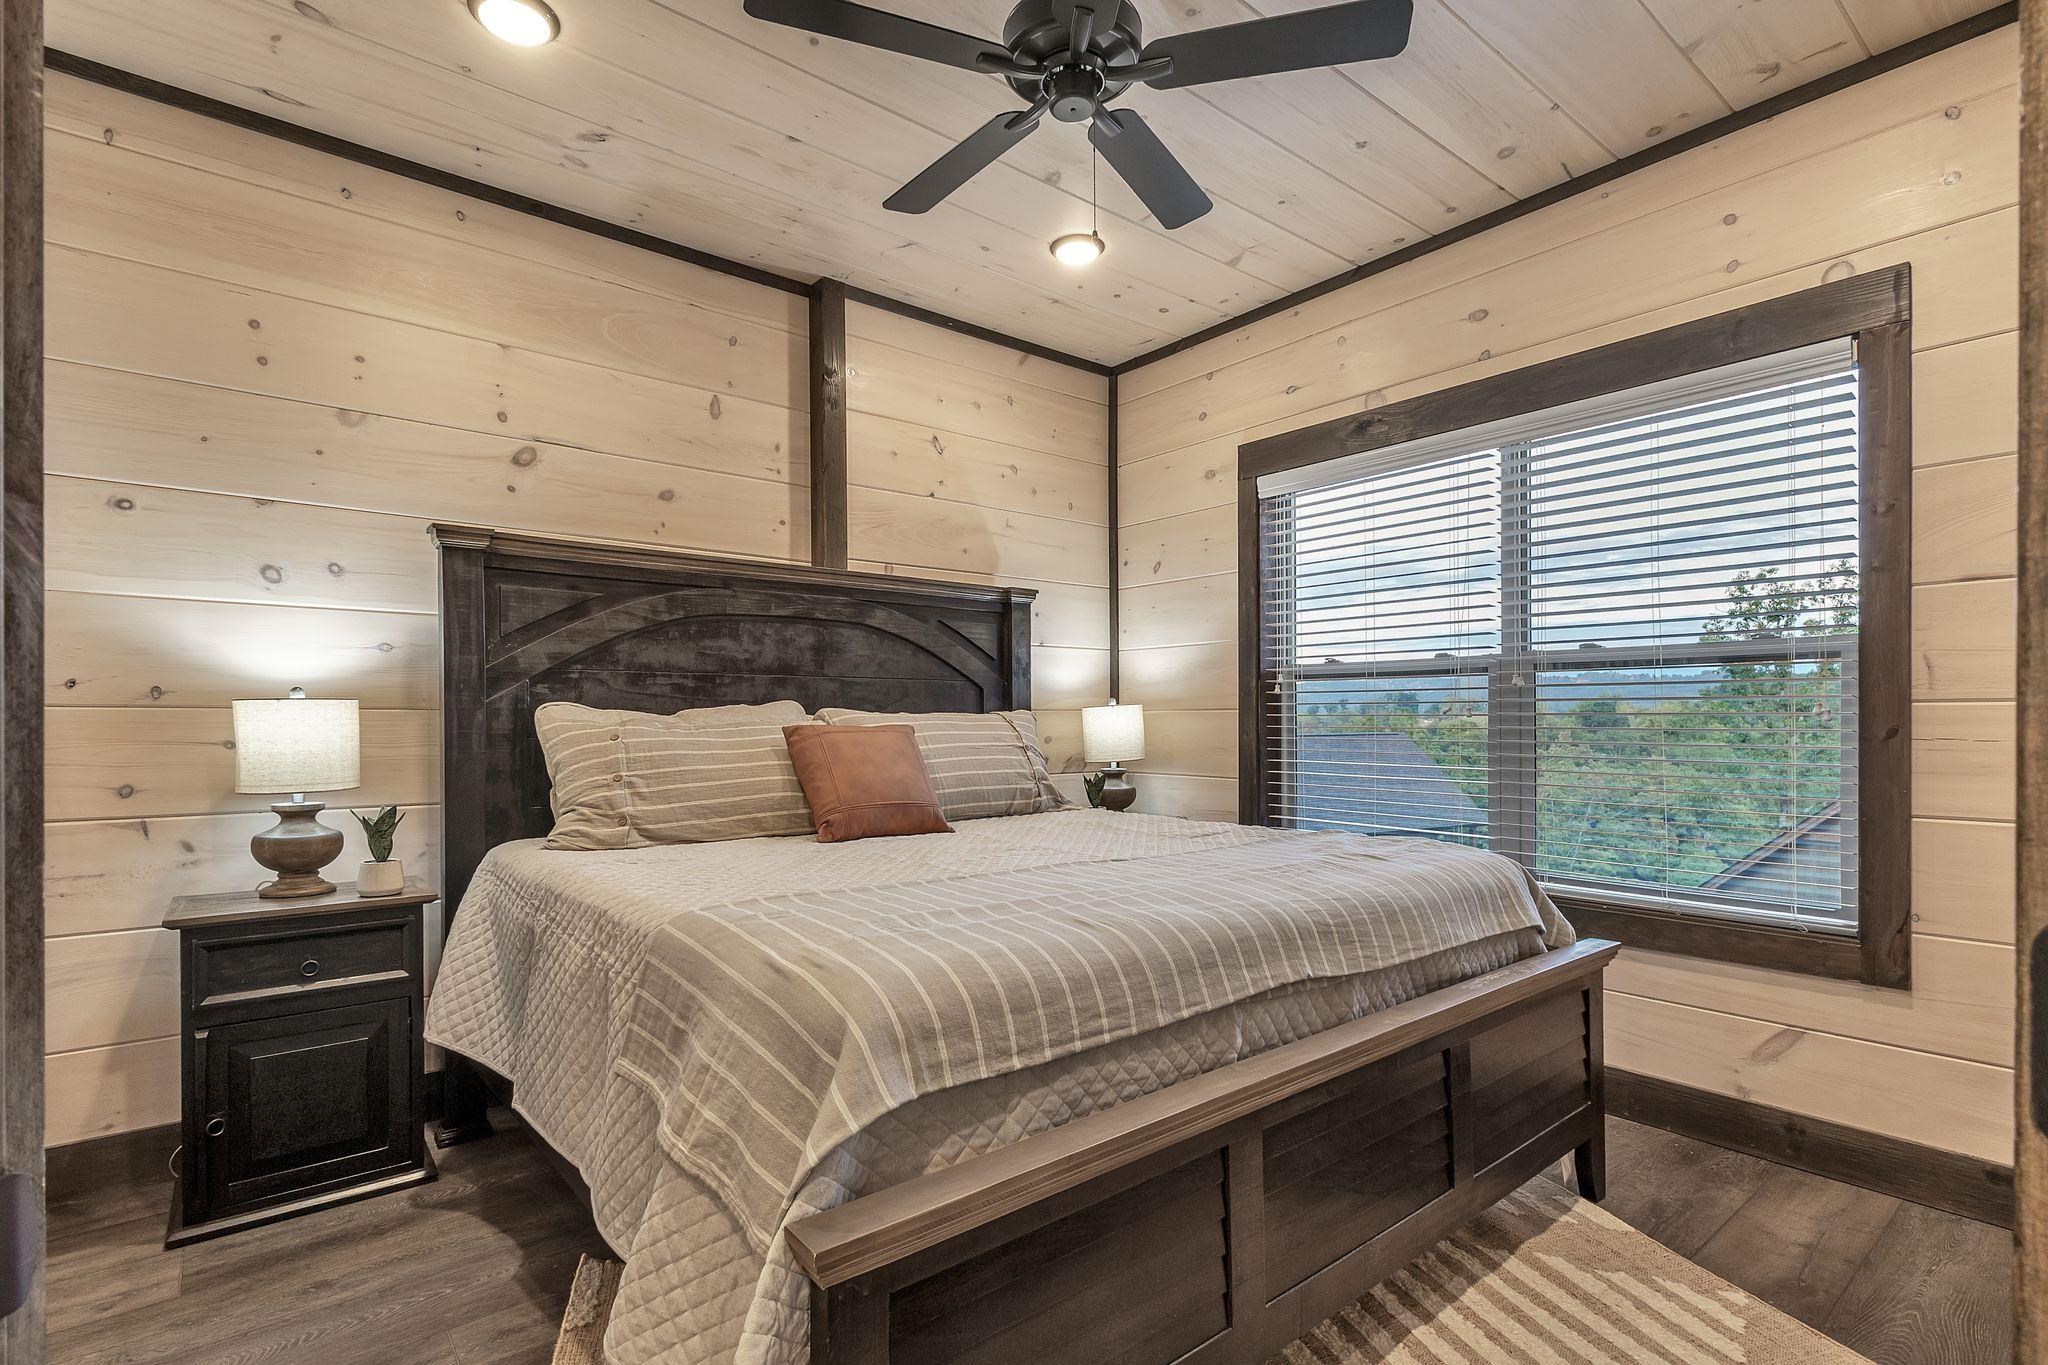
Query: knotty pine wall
point(1919, 165)
point(270, 369)
point(974, 462)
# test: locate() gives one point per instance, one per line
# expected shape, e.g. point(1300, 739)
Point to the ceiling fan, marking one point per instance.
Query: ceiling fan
point(1070, 58)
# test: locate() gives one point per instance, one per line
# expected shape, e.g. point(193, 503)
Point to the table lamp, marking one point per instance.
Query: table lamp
point(295, 745)
point(1111, 735)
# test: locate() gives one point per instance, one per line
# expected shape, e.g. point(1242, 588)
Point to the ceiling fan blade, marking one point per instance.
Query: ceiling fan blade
point(1362, 31)
point(1135, 152)
point(1080, 32)
point(960, 165)
point(876, 28)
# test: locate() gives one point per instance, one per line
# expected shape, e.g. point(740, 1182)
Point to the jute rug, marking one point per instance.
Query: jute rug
point(1543, 1278)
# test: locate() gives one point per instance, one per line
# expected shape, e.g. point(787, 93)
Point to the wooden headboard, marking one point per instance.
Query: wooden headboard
point(526, 621)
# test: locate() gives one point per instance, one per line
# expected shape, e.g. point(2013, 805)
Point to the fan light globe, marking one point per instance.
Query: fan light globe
point(524, 23)
point(1078, 248)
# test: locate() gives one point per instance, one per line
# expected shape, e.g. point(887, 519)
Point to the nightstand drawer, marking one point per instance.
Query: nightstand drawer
point(300, 959)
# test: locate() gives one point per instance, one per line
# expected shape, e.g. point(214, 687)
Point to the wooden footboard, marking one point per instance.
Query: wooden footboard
point(1214, 1221)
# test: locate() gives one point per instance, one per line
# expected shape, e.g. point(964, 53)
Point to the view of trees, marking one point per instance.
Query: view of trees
point(1654, 776)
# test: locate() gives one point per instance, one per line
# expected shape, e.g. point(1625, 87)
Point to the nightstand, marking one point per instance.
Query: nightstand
point(303, 1061)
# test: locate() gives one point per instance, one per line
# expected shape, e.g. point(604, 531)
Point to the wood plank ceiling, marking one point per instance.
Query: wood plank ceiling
point(693, 122)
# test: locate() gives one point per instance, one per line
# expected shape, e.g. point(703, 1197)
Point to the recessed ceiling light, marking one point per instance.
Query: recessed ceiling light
point(527, 23)
point(1078, 248)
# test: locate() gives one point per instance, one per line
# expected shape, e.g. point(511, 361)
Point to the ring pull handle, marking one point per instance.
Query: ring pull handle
point(310, 967)
point(216, 1126)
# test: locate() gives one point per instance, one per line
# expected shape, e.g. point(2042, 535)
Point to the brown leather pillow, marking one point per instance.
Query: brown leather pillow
point(864, 782)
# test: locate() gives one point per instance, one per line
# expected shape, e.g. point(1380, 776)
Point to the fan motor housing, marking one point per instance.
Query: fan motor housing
point(1037, 32)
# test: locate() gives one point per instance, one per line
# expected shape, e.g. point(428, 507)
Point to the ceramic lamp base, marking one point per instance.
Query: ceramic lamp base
point(296, 848)
point(1117, 791)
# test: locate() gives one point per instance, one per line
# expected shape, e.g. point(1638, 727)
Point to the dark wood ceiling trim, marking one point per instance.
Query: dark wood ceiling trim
point(115, 78)
point(1891, 60)
point(1904, 54)
point(855, 294)
point(828, 425)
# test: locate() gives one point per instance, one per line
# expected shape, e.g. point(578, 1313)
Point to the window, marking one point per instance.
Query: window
point(1621, 638)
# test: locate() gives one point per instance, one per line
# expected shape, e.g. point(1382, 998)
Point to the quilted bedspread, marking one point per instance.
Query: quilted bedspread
point(726, 1038)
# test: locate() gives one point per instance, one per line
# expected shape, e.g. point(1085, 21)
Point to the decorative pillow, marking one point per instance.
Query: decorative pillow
point(864, 781)
point(627, 779)
point(980, 764)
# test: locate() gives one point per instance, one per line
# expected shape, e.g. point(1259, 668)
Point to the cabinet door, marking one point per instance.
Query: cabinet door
point(298, 1104)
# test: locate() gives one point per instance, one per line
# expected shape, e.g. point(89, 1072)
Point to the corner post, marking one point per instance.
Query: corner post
point(828, 424)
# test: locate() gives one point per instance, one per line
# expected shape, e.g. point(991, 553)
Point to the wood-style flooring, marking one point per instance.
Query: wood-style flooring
point(475, 1267)
point(1902, 1283)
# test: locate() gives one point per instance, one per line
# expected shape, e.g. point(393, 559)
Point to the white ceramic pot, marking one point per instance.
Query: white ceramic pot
point(380, 879)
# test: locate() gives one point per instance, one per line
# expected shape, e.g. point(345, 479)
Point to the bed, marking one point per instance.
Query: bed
point(1174, 1159)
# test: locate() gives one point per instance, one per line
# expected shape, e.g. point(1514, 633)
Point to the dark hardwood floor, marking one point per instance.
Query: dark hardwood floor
point(1902, 1283)
point(475, 1267)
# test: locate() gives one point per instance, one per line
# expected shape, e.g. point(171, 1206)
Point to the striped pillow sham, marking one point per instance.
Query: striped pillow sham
point(628, 779)
point(981, 765)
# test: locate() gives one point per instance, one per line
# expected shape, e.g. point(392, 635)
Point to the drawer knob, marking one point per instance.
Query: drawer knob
point(216, 1125)
point(310, 967)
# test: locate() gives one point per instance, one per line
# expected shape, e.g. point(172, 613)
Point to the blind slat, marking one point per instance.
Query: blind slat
point(1639, 622)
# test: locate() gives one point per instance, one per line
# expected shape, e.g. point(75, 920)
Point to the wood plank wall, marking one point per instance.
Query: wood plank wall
point(270, 369)
point(1919, 165)
point(968, 460)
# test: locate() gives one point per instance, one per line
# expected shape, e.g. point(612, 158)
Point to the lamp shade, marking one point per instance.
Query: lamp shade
point(1112, 733)
point(297, 744)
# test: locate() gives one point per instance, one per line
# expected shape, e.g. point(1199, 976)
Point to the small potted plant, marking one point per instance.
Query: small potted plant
point(382, 875)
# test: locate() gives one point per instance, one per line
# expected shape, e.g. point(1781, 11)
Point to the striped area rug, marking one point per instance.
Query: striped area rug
point(1547, 1278)
point(1542, 1278)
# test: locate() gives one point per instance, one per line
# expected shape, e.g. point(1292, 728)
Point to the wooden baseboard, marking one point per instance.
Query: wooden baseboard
point(137, 1155)
point(1940, 1179)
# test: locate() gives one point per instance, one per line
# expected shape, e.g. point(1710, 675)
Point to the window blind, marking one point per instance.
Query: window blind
point(1615, 641)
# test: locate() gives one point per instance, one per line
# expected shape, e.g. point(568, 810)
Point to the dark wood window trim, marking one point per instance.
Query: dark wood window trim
point(1876, 310)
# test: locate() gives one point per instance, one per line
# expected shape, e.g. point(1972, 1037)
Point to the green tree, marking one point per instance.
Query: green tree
point(1687, 771)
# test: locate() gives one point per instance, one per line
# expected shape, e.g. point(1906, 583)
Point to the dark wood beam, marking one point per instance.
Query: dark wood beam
point(828, 424)
point(1116, 615)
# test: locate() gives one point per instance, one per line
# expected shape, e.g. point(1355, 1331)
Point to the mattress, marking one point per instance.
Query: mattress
point(570, 974)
